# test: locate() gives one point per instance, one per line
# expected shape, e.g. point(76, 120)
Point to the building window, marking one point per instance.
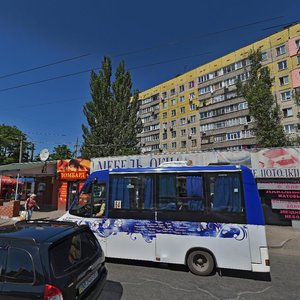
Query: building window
point(173, 145)
point(182, 121)
point(280, 50)
point(192, 96)
point(192, 107)
point(193, 119)
point(165, 146)
point(164, 135)
point(297, 43)
point(173, 123)
point(183, 144)
point(286, 96)
point(298, 58)
point(164, 115)
point(233, 136)
point(164, 95)
point(290, 128)
point(173, 134)
point(172, 92)
point(284, 80)
point(173, 102)
point(182, 110)
point(264, 56)
point(181, 98)
point(181, 88)
point(164, 104)
point(287, 112)
point(194, 143)
point(191, 84)
point(193, 130)
point(282, 65)
point(183, 132)
point(173, 113)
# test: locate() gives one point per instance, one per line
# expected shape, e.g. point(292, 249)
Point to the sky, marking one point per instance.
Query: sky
point(49, 47)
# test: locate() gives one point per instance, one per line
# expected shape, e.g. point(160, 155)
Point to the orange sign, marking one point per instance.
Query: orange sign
point(73, 165)
point(62, 194)
point(73, 175)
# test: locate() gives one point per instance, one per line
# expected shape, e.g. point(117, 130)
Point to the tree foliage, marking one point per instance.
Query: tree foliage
point(262, 105)
point(10, 143)
point(61, 152)
point(111, 114)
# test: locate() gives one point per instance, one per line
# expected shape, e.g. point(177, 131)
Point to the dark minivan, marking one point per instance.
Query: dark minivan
point(50, 260)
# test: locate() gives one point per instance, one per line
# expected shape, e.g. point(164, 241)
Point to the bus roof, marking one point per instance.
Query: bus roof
point(211, 168)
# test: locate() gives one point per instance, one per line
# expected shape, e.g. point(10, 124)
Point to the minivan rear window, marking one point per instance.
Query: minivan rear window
point(72, 251)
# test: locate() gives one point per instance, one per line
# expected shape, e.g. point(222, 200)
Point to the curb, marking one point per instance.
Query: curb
point(279, 246)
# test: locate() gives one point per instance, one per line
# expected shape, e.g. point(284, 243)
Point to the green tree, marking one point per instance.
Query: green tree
point(61, 152)
point(11, 139)
point(111, 114)
point(262, 105)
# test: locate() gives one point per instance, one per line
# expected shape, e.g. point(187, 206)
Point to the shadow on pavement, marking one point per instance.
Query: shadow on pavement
point(112, 291)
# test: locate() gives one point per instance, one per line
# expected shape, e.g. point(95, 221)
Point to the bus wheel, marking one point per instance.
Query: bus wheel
point(200, 263)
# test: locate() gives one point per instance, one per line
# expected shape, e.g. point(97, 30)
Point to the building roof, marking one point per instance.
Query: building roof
point(29, 169)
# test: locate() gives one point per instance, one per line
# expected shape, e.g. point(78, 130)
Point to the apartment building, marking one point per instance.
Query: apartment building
point(200, 109)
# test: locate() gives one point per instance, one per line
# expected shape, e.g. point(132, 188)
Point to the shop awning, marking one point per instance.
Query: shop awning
point(7, 180)
point(29, 169)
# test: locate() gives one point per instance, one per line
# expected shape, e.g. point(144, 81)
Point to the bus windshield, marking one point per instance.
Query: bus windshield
point(91, 200)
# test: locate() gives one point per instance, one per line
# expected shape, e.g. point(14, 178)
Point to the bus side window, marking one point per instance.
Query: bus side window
point(132, 192)
point(190, 196)
point(167, 192)
point(226, 193)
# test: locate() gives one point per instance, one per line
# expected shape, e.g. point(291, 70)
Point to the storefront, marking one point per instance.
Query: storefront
point(72, 174)
point(32, 177)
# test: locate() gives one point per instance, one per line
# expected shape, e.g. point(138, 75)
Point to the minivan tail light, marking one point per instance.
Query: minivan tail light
point(51, 292)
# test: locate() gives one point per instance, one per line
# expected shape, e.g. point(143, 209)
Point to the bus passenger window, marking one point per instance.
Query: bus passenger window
point(226, 193)
point(167, 192)
point(132, 192)
point(190, 193)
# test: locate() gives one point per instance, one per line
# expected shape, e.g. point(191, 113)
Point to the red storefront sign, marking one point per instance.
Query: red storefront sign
point(79, 175)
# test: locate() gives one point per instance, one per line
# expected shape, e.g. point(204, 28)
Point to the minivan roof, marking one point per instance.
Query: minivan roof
point(38, 231)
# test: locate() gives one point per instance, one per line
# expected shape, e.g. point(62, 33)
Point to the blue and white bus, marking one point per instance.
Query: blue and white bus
point(206, 217)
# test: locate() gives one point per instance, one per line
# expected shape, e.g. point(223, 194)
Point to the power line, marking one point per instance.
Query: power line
point(167, 61)
point(44, 66)
point(89, 70)
point(43, 103)
point(194, 37)
point(137, 51)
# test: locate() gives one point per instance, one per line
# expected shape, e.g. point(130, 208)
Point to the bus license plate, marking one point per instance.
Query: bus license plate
point(83, 286)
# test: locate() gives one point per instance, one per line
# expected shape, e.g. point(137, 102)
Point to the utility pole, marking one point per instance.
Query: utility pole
point(21, 149)
point(76, 148)
point(32, 151)
point(20, 160)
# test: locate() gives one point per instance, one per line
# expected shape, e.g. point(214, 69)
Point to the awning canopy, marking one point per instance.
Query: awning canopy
point(7, 180)
point(29, 169)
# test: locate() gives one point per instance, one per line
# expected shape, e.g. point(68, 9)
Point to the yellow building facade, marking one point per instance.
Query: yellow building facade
point(200, 109)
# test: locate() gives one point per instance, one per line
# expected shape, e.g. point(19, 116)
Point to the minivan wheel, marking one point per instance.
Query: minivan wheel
point(200, 263)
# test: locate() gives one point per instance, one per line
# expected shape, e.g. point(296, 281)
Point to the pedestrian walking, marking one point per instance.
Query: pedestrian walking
point(30, 205)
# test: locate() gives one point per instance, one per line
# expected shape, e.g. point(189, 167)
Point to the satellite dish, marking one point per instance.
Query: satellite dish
point(44, 154)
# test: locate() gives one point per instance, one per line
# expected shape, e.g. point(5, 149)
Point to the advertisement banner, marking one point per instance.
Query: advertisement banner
point(154, 160)
point(73, 169)
point(276, 163)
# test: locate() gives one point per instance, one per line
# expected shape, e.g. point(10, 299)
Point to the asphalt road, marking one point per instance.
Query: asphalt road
point(133, 281)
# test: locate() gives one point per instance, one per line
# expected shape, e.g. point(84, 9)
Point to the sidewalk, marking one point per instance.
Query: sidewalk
point(284, 240)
